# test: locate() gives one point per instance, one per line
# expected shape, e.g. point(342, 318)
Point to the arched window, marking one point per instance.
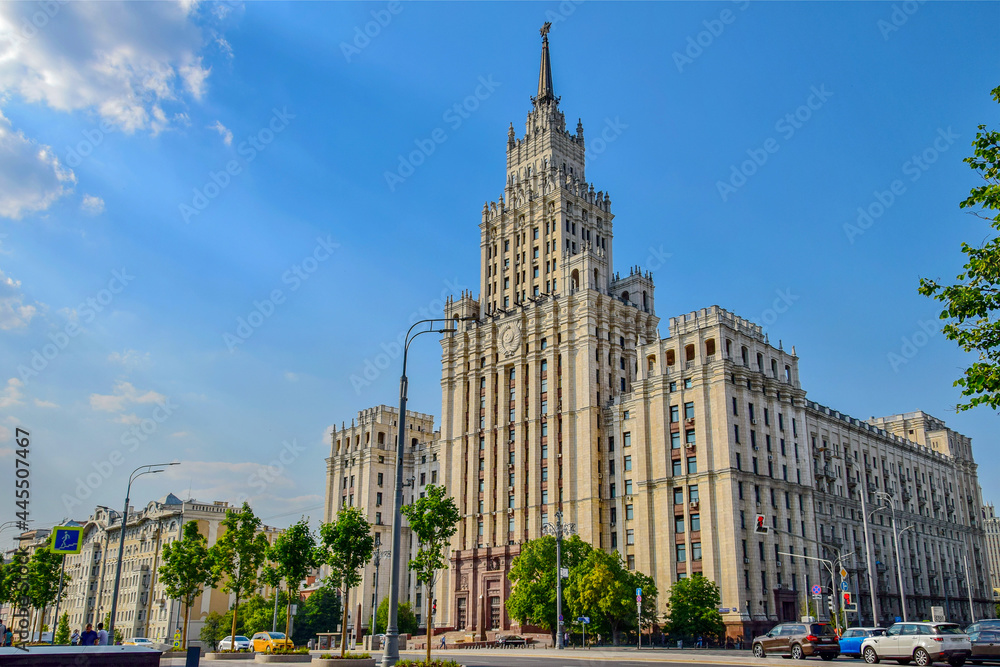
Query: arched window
point(746, 355)
point(760, 361)
point(689, 353)
point(645, 301)
point(625, 297)
point(413, 442)
point(545, 365)
point(597, 284)
point(788, 373)
point(774, 369)
point(544, 344)
point(575, 279)
point(710, 347)
point(671, 358)
point(651, 364)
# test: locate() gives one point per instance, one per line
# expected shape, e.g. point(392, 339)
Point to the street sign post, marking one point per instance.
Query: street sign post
point(583, 620)
point(844, 587)
point(817, 589)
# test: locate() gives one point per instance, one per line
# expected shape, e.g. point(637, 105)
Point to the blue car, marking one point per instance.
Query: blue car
point(850, 642)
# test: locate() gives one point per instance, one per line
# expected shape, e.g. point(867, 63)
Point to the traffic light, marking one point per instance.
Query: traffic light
point(759, 526)
point(829, 604)
point(434, 607)
point(847, 599)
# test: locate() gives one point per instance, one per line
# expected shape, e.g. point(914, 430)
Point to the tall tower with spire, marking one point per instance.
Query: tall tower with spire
point(525, 386)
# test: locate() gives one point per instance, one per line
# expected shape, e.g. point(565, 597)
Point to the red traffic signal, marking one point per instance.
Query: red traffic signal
point(847, 599)
point(759, 526)
point(434, 606)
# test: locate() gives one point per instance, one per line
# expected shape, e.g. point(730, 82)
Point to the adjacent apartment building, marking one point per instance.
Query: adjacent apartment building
point(560, 394)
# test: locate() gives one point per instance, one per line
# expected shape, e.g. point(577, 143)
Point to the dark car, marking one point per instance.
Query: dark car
point(984, 624)
point(985, 645)
point(798, 640)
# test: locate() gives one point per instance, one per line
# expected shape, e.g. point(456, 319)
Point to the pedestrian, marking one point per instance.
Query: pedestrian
point(88, 637)
point(444, 641)
point(8, 639)
point(701, 643)
point(102, 635)
point(598, 638)
point(310, 644)
point(75, 639)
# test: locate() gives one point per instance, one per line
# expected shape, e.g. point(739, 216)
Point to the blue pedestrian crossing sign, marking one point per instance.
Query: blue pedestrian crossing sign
point(67, 539)
point(843, 586)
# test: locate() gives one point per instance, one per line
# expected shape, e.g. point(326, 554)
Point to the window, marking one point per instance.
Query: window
point(680, 552)
point(629, 536)
point(692, 465)
point(675, 440)
point(629, 515)
point(695, 522)
point(545, 474)
point(678, 496)
point(696, 551)
point(689, 438)
point(628, 487)
point(687, 383)
point(612, 487)
point(545, 451)
point(614, 536)
point(611, 443)
point(630, 562)
point(736, 411)
point(674, 414)
point(626, 440)
point(628, 463)
point(689, 410)
point(739, 461)
point(678, 467)
point(380, 479)
point(736, 430)
point(378, 498)
point(679, 524)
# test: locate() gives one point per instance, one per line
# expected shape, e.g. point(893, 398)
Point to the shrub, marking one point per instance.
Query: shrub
point(347, 656)
point(425, 663)
point(291, 651)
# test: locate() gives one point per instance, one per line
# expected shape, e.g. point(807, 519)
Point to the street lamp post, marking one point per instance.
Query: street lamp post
point(377, 556)
point(145, 470)
point(895, 536)
point(830, 566)
point(559, 530)
point(868, 559)
point(391, 654)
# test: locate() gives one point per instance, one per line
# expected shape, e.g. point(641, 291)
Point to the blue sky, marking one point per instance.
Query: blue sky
point(229, 161)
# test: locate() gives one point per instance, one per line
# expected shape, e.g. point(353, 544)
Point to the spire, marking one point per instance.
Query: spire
point(545, 91)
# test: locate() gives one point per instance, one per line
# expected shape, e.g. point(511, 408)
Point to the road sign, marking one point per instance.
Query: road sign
point(583, 619)
point(852, 608)
point(817, 589)
point(638, 591)
point(844, 587)
point(560, 618)
point(638, 599)
point(67, 539)
point(843, 573)
point(564, 572)
point(817, 597)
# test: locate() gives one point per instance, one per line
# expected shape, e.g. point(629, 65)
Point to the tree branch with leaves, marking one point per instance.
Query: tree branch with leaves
point(238, 554)
point(346, 544)
point(187, 569)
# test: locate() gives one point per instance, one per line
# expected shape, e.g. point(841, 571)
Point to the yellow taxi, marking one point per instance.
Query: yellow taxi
point(269, 642)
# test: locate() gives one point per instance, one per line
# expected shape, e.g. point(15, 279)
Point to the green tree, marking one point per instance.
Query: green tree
point(214, 629)
point(186, 570)
point(600, 586)
point(320, 612)
point(62, 631)
point(533, 575)
point(433, 518)
point(295, 554)
point(406, 619)
point(238, 555)
point(347, 544)
point(43, 580)
point(971, 304)
point(693, 609)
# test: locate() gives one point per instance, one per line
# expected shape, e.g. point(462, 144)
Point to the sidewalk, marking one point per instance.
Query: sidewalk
point(647, 654)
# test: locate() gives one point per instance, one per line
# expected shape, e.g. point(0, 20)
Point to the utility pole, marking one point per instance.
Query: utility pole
point(559, 530)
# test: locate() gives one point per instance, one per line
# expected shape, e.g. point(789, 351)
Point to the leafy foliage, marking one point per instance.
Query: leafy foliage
point(970, 306)
point(186, 570)
point(214, 629)
point(433, 519)
point(693, 608)
point(238, 555)
point(62, 630)
point(533, 574)
point(427, 663)
point(295, 554)
point(320, 612)
point(602, 588)
point(347, 544)
point(406, 619)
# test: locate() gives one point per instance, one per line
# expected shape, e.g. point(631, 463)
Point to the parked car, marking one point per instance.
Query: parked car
point(850, 641)
point(511, 640)
point(242, 643)
point(799, 640)
point(985, 645)
point(269, 642)
point(923, 643)
point(140, 641)
point(984, 624)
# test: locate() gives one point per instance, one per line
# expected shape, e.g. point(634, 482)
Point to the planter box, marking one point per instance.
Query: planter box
point(346, 662)
point(293, 657)
point(239, 655)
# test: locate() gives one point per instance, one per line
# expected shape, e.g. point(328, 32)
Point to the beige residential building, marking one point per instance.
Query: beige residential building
point(562, 395)
point(143, 608)
point(992, 526)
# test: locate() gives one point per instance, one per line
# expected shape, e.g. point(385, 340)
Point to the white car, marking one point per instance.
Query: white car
point(242, 643)
point(140, 641)
point(923, 643)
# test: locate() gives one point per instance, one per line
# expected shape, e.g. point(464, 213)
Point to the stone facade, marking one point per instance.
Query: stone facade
point(560, 394)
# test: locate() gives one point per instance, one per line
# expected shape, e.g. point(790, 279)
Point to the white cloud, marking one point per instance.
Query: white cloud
point(128, 419)
point(227, 134)
point(92, 205)
point(135, 64)
point(291, 377)
point(11, 395)
point(14, 313)
point(45, 404)
point(130, 359)
point(31, 176)
point(124, 395)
